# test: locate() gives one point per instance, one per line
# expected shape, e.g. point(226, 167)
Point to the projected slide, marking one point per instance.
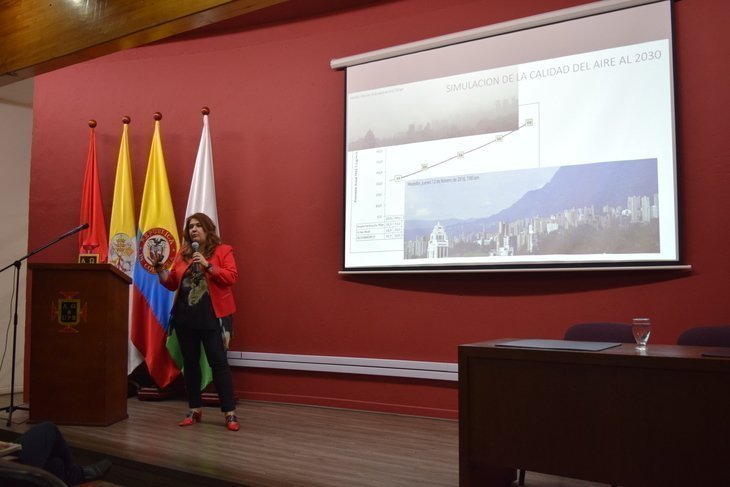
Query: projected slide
point(566, 159)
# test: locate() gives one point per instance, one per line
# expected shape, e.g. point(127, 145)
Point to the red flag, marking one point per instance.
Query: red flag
point(93, 240)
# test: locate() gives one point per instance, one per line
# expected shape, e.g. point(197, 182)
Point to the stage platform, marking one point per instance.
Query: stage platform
point(279, 445)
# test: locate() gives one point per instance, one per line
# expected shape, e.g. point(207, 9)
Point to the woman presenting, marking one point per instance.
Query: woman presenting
point(202, 274)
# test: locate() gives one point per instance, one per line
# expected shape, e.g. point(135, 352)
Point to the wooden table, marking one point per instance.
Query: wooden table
point(656, 418)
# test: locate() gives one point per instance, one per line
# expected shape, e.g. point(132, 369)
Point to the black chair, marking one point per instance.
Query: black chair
point(599, 331)
point(706, 336)
point(20, 475)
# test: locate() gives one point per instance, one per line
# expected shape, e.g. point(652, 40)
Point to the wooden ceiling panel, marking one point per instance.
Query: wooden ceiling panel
point(37, 36)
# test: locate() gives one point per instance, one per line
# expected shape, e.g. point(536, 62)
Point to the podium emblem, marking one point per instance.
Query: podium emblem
point(88, 258)
point(156, 243)
point(68, 311)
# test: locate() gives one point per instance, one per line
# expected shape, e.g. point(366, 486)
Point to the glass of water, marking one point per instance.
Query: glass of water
point(642, 330)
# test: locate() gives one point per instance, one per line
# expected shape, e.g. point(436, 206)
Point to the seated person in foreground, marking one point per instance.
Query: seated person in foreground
point(43, 446)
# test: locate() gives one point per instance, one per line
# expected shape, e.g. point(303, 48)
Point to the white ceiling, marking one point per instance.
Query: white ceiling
point(18, 93)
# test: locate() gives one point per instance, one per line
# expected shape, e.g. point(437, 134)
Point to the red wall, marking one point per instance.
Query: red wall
point(277, 116)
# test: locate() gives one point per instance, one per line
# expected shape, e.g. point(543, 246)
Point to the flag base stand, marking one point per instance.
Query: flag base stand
point(141, 384)
point(151, 392)
point(155, 393)
point(210, 398)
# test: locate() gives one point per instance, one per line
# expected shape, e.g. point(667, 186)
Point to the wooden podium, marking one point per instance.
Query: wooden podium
point(78, 343)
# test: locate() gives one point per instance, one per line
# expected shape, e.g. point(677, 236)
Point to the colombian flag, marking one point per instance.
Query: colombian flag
point(151, 302)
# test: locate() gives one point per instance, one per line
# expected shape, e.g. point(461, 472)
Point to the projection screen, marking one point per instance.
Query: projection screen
point(547, 142)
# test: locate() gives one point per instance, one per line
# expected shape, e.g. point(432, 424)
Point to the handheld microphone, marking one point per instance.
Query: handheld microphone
point(195, 246)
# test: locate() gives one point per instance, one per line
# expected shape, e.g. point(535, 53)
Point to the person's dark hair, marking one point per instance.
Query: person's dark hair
point(212, 240)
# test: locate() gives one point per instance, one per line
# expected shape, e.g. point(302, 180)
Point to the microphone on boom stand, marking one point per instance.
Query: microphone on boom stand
point(17, 265)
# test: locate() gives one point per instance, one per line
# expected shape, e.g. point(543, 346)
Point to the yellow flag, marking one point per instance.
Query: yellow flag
point(122, 231)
